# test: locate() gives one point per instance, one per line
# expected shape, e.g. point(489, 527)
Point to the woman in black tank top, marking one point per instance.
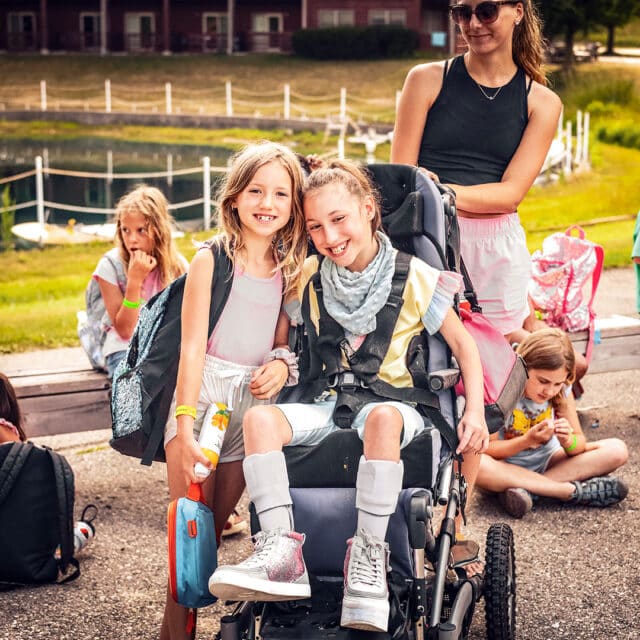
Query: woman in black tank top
point(483, 123)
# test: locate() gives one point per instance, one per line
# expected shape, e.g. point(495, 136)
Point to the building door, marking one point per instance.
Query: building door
point(267, 31)
point(22, 31)
point(90, 31)
point(140, 31)
point(215, 27)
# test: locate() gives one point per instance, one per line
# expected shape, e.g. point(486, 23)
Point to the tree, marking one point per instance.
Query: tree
point(616, 13)
point(566, 17)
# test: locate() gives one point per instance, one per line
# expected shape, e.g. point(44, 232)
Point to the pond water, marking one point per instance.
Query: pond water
point(105, 156)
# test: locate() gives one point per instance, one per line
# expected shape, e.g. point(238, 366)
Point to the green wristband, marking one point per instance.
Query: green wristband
point(573, 445)
point(131, 305)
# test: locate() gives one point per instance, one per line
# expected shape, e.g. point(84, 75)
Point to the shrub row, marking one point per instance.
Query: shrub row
point(354, 43)
point(625, 134)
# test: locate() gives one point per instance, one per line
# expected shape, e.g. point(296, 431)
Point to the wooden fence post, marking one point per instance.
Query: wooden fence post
point(107, 96)
point(206, 191)
point(43, 95)
point(287, 102)
point(229, 99)
point(167, 96)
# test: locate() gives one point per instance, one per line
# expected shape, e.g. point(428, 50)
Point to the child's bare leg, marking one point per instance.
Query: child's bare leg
point(228, 487)
point(174, 622)
point(498, 476)
point(266, 431)
point(600, 458)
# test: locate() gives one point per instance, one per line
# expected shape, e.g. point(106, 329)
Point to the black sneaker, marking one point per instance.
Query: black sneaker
point(599, 492)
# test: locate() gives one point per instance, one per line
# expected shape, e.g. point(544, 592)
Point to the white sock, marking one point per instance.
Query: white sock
point(377, 488)
point(268, 488)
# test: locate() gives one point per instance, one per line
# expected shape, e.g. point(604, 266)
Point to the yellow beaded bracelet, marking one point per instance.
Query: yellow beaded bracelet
point(185, 410)
point(573, 444)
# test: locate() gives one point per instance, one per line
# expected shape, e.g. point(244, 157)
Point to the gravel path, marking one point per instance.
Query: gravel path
point(576, 576)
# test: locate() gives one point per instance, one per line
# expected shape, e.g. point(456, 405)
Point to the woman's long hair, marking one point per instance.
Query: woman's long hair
point(528, 43)
point(152, 204)
point(550, 350)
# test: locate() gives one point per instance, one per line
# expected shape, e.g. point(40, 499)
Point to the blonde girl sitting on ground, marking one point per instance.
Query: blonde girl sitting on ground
point(543, 450)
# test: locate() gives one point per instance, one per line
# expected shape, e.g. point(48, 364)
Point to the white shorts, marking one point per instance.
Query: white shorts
point(311, 423)
point(495, 253)
point(226, 382)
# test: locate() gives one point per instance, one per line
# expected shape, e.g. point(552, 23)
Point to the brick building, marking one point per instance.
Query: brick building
point(220, 26)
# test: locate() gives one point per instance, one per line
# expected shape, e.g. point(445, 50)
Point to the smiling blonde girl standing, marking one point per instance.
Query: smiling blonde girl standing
point(245, 360)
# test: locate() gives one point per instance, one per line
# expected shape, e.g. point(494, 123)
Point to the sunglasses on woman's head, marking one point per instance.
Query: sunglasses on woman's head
point(486, 12)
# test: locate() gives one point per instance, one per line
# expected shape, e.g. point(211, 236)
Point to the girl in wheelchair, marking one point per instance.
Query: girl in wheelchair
point(347, 287)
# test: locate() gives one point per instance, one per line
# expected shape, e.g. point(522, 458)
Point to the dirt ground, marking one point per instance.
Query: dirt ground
point(576, 574)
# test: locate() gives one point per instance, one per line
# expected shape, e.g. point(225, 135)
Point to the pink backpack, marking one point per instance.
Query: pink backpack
point(566, 267)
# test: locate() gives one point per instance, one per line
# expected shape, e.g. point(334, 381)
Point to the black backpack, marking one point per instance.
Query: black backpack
point(144, 382)
point(36, 516)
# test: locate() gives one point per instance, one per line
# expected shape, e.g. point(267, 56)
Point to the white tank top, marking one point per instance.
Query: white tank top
point(245, 331)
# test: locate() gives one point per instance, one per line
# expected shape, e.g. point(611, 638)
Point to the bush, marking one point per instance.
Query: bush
point(7, 219)
point(624, 134)
point(355, 43)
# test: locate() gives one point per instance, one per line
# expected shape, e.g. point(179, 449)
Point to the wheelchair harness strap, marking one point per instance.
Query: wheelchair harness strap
point(359, 384)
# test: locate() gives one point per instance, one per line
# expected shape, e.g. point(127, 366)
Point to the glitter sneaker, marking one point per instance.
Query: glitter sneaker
point(366, 596)
point(275, 571)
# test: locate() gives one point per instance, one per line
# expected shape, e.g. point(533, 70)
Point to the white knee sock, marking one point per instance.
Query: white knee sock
point(268, 489)
point(377, 488)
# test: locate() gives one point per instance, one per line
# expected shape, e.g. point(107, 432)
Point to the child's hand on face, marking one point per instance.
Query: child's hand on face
point(268, 380)
point(540, 433)
point(563, 432)
point(141, 264)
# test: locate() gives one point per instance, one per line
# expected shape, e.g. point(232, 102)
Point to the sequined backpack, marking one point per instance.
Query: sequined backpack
point(145, 380)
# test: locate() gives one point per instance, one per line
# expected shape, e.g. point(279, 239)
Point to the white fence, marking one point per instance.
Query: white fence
point(222, 100)
point(41, 204)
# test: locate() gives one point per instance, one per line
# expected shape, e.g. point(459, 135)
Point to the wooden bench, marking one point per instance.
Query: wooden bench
point(65, 401)
point(69, 401)
point(616, 346)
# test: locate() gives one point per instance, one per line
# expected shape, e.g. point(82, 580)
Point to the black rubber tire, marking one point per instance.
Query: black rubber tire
point(500, 583)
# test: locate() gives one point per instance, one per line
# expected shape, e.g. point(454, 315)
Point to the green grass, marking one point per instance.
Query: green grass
point(41, 290)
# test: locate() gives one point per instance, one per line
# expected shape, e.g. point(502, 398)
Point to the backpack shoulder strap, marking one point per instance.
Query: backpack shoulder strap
point(121, 276)
point(11, 467)
point(65, 489)
point(220, 289)
point(595, 280)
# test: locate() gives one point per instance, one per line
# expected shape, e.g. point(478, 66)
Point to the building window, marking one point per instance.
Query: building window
point(215, 24)
point(335, 18)
point(140, 31)
point(21, 30)
point(388, 16)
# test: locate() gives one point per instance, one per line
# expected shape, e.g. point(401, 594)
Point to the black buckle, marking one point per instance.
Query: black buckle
point(346, 380)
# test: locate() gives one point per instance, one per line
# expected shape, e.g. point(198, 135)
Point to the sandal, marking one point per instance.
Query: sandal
point(235, 524)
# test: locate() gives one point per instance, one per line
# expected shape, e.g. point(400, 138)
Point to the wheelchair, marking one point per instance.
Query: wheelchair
point(430, 596)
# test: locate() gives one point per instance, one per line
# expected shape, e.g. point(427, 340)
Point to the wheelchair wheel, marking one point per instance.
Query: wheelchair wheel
point(500, 583)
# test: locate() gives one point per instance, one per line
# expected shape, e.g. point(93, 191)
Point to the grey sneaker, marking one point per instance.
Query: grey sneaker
point(275, 571)
point(599, 492)
point(516, 502)
point(365, 604)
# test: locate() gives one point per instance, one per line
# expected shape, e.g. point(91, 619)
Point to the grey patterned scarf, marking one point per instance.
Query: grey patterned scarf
point(353, 298)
